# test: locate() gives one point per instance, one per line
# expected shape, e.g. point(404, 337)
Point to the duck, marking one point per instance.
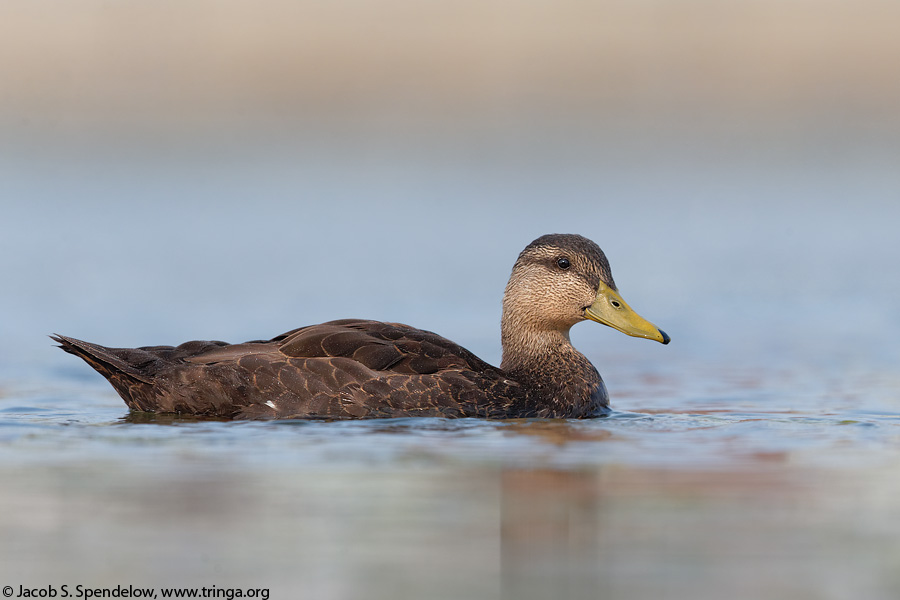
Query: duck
point(358, 369)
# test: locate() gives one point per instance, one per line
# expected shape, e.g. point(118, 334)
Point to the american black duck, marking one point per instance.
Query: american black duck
point(352, 369)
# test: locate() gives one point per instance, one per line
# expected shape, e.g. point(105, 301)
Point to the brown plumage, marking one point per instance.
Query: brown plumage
point(368, 369)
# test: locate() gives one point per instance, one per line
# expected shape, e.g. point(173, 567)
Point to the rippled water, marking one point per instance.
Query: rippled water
point(757, 456)
point(753, 495)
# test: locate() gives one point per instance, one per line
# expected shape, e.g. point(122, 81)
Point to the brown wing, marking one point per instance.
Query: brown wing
point(380, 346)
point(340, 369)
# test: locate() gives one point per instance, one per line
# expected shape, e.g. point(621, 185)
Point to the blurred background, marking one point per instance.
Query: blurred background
point(231, 170)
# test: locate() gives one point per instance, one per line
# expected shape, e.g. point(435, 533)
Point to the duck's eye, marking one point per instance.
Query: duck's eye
point(563, 263)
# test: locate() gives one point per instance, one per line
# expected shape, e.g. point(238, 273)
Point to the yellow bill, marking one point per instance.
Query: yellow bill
point(609, 308)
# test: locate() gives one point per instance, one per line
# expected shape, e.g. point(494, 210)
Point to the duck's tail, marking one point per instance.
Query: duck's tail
point(106, 361)
point(112, 363)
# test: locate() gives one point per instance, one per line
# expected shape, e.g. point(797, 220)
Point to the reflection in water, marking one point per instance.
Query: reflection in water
point(550, 528)
point(704, 505)
point(755, 533)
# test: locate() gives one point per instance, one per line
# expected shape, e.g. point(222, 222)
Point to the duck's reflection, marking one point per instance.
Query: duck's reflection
point(550, 528)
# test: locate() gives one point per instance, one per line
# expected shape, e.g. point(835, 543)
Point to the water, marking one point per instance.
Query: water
point(756, 456)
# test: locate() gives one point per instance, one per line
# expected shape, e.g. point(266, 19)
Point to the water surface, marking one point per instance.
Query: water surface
point(757, 456)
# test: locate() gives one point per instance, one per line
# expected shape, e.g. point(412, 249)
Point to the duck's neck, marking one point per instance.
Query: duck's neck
point(560, 380)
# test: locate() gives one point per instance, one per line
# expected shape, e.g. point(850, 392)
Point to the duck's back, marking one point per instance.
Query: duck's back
point(335, 370)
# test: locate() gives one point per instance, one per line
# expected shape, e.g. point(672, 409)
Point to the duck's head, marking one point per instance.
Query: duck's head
point(561, 279)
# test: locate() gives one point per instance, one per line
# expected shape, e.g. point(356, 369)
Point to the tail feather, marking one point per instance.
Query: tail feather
point(104, 360)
